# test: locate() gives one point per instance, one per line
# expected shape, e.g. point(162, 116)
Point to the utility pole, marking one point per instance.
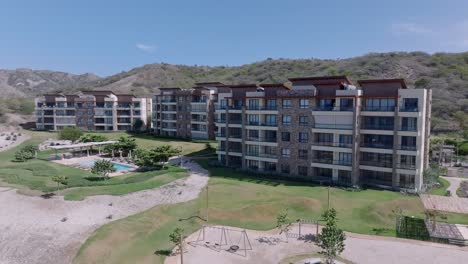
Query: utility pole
point(206, 202)
point(181, 249)
point(328, 197)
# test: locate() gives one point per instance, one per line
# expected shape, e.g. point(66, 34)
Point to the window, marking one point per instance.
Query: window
point(285, 136)
point(270, 120)
point(254, 119)
point(303, 137)
point(285, 153)
point(378, 123)
point(324, 138)
point(271, 104)
point(285, 168)
point(286, 103)
point(377, 141)
point(408, 143)
point(302, 170)
point(303, 120)
point(410, 104)
point(222, 104)
point(380, 104)
point(181, 117)
point(254, 104)
point(180, 99)
point(253, 134)
point(304, 103)
point(346, 104)
point(326, 104)
point(346, 140)
point(303, 154)
point(286, 120)
point(407, 162)
point(345, 158)
point(409, 124)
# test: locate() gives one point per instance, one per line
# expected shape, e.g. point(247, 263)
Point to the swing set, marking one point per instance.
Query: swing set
point(221, 238)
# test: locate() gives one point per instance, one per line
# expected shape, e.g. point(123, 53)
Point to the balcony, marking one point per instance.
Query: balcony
point(261, 155)
point(266, 124)
point(332, 144)
point(331, 161)
point(378, 108)
point(199, 120)
point(168, 101)
point(199, 110)
point(235, 150)
point(406, 166)
point(409, 109)
point(262, 139)
point(334, 108)
point(376, 145)
point(409, 128)
point(407, 147)
point(262, 108)
point(377, 127)
point(221, 121)
point(333, 126)
point(377, 163)
point(199, 101)
point(222, 135)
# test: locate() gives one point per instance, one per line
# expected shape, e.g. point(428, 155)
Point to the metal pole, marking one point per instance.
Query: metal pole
point(207, 203)
point(181, 250)
point(328, 197)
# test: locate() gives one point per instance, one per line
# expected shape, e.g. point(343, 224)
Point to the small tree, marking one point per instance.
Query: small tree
point(59, 179)
point(103, 168)
point(176, 238)
point(283, 223)
point(154, 157)
point(331, 238)
point(125, 144)
point(25, 153)
point(137, 124)
point(70, 133)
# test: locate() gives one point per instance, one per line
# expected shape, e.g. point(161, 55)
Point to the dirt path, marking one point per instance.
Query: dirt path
point(359, 249)
point(454, 184)
point(31, 230)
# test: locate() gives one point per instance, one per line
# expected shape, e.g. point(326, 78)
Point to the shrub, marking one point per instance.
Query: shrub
point(26, 153)
point(93, 138)
point(70, 133)
point(103, 168)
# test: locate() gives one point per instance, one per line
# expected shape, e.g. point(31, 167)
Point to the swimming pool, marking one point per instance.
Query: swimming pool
point(117, 166)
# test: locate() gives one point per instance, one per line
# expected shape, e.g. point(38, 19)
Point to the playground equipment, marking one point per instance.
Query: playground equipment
point(221, 238)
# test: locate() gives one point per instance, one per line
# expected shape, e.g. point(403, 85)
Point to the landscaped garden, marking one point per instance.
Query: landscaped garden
point(37, 175)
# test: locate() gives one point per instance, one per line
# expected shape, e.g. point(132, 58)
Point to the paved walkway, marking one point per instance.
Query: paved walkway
point(454, 184)
point(31, 230)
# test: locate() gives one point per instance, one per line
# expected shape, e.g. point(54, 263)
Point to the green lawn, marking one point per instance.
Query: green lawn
point(35, 176)
point(236, 199)
point(442, 189)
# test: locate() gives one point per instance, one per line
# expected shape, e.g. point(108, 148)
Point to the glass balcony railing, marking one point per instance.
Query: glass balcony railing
point(332, 161)
point(408, 128)
point(378, 108)
point(257, 123)
point(409, 109)
point(377, 163)
point(407, 147)
point(262, 139)
point(332, 144)
point(260, 108)
point(263, 155)
point(377, 127)
point(333, 126)
point(376, 145)
point(333, 108)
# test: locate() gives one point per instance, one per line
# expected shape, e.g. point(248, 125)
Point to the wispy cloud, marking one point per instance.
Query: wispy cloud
point(408, 28)
point(146, 47)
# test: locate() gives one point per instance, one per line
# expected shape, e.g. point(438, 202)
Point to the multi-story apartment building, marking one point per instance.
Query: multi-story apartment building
point(93, 111)
point(327, 129)
point(186, 113)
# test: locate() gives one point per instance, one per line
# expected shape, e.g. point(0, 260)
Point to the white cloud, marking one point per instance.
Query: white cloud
point(146, 47)
point(410, 29)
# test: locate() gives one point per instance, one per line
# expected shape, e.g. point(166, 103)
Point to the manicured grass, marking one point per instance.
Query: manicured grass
point(442, 189)
point(236, 199)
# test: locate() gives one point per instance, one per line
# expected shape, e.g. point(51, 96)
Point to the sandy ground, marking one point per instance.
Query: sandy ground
point(8, 144)
point(454, 184)
point(359, 249)
point(31, 230)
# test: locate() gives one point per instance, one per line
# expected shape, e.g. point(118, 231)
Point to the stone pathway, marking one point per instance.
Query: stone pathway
point(32, 230)
point(454, 184)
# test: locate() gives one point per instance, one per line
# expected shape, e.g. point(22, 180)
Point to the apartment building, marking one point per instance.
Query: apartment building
point(327, 129)
point(92, 111)
point(186, 113)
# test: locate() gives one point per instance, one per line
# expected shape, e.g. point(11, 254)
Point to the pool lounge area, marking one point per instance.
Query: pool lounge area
point(87, 162)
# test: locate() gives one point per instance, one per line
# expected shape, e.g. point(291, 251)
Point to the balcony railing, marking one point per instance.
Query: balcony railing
point(406, 166)
point(262, 139)
point(254, 123)
point(235, 135)
point(377, 163)
point(236, 150)
point(200, 101)
point(332, 144)
point(263, 155)
point(376, 145)
point(407, 147)
point(168, 101)
point(409, 109)
point(409, 128)
point(221, 121)
point(377, 127)
point(333, 126)
point(235, 121)
point(260, 108)
point(331, 161)
point(198, 110)
point(333, 108)
point(221, 135)
point(378, 108)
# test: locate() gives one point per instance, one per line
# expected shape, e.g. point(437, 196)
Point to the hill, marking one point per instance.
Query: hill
point(445, 73)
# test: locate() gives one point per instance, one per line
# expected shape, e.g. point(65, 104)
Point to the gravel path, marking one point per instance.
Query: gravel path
point(31, 230)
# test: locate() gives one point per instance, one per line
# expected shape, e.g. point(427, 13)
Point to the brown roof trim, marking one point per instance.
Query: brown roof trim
point(321, 78)
point(399, 80)
point(274, 85)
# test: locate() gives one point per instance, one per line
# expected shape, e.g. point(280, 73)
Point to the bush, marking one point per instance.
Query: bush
point(93, 138)
point(70, 133)
point(26, 153)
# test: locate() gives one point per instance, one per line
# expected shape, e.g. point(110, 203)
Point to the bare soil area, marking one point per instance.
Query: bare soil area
point(38, 230)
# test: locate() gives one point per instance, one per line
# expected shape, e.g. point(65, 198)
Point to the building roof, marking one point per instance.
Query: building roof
point(273, 85)
point(242, 85)
point(169, 88)
point(102, 92)
point(82, 145)
point(337, 78)
point(209, 84)
point(445, 204)
point(400, 81)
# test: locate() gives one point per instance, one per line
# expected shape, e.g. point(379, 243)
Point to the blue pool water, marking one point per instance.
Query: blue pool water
point(117, 166)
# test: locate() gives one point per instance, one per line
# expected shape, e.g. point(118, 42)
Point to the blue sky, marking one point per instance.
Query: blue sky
point(106, 37)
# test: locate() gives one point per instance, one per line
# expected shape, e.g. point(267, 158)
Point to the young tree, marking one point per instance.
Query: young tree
point(176, 237)
point(154, 157)
point(283, 223)
point(25, 153)
point(331, 238)
point(59, 179)
point(137, 124)
point(103, 168)
point(70, 133)
point(125, 144)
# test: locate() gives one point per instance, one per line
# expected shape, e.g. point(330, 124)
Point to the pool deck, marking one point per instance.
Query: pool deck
point(76, 163)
